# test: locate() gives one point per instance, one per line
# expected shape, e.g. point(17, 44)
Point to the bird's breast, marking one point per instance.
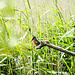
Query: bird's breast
point(35, 42)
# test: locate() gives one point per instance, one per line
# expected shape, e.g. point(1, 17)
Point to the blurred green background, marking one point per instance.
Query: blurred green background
point(52, 20)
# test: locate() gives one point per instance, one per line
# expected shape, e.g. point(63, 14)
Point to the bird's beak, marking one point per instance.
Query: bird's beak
point(31, 40)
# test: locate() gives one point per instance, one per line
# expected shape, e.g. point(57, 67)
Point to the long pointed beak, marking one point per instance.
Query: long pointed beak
point(31, 40)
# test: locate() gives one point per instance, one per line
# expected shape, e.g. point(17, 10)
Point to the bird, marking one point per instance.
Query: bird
point(36, 42)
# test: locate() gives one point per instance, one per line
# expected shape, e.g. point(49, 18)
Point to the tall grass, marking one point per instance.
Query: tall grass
point(18, 55)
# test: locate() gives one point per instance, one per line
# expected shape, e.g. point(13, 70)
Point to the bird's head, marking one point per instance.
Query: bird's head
point(33, 38)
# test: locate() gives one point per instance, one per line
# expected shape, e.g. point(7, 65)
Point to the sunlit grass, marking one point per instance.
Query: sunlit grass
point(17, 52)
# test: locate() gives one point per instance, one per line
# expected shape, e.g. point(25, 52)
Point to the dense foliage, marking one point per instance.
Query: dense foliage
point(18, 55)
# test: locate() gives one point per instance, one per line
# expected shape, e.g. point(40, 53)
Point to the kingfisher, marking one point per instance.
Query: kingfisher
point(36, 42)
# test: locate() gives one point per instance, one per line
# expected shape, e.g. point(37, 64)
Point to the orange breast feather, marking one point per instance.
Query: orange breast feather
point(35, 42)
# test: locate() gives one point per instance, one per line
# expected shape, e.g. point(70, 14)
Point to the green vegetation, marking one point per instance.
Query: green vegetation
point(17, 53)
